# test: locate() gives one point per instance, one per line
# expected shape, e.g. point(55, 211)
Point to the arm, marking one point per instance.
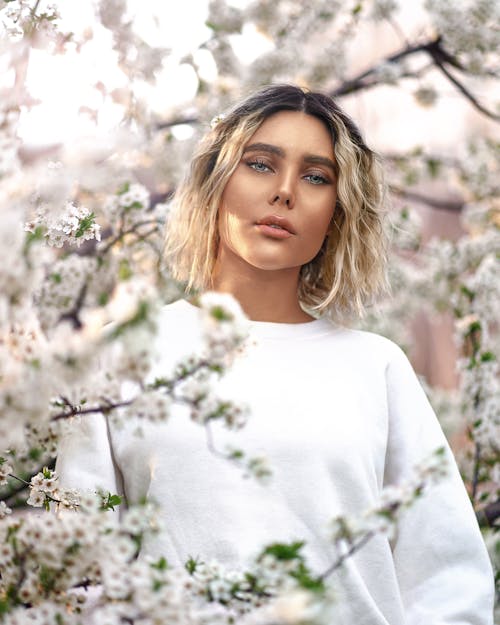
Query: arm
point(85, 457)
point(441, 561)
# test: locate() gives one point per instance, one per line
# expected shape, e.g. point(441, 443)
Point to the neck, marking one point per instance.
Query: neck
point(264, 295)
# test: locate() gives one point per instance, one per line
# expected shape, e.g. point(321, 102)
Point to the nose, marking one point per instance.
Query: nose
point(283, 194)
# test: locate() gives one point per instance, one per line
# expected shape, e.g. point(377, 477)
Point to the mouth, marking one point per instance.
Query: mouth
point(276, 223)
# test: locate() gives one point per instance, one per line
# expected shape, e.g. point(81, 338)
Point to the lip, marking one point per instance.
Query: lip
point(268, 226)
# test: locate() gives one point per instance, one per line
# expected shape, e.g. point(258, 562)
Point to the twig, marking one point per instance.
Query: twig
point(210, 443)
point(73, 315)
point(131, 230)
point(488, 516)
point(354, 547)
point(475, 475)
point(75, 410)
point(358, 82)
point(450, 205)
point(463, 89)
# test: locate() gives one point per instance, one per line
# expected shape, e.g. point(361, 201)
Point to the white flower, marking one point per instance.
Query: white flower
point(4, 511)
point(151, 405)
point(36, 498)
point(137, 196)
point(5, 469)
point(216, 120)
point(72, 225)
point(258, 467)
point(225, 326)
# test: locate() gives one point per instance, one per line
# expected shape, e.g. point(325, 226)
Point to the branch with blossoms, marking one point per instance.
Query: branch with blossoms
point(190, 385)
point(389, 70)
point(47, 561)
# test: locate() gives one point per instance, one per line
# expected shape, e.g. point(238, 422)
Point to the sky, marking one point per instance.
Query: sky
point(65, 83)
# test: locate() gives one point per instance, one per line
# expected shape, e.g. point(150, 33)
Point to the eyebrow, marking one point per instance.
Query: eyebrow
point(308, 158)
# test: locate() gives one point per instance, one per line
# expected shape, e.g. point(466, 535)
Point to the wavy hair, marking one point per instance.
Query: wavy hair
point(350, 268)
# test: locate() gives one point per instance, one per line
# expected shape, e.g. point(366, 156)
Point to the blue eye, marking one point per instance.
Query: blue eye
point(259, 166)
point(316, 179)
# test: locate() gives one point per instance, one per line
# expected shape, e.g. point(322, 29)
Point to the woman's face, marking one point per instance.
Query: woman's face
point(277, 205)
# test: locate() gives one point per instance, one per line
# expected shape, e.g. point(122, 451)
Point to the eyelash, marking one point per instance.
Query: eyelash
point(259, 162)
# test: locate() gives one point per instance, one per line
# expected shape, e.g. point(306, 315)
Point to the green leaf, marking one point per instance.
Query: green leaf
point(303, 576)
point(4, 606)
point(433, 166)
point(56, 277)
point(140, 317)
point(35, 453)
point(124, 271)
point(284, 551)
point(47, 578)
point(466, 291)
point(475, 326)
point(31, 237)
point(160, 565)
point(212, 25)
point(85, 224)
point(487, 357)
point(124, 188)
point(358, 8)
point(191, 565)
point(135, 204)
point(111, 501)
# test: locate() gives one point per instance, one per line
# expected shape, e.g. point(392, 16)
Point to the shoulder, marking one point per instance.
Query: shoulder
point(177, 315)
point(368, 345)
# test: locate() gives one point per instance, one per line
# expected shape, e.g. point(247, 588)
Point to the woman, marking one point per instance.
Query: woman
point(283, 210)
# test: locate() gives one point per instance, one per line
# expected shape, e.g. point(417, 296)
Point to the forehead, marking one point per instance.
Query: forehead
point(295, 131)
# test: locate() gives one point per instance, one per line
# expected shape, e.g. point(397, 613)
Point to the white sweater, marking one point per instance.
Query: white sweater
point(340, 414)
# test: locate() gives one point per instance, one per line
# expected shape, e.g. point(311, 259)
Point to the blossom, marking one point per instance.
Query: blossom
point(425, 96)
point(224, 325)
point(392, 501)
point(72, 225)
point(468, 29)
point(383, 9)
point(153, 406)
point(5, 470)
point(4, 511)
point(389, 72)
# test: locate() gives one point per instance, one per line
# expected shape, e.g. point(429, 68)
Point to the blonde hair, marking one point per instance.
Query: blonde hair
point(349, 270)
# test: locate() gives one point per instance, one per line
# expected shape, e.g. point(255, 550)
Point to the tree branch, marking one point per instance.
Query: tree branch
point(489, 515)
point(463, 89)
point(448, 205)
point(360, 82)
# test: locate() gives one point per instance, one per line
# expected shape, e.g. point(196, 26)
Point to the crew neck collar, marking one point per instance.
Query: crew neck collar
point(277, 330)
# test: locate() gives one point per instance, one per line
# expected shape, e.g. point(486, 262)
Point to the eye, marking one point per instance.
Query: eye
point(258, 165)
point(316, 179)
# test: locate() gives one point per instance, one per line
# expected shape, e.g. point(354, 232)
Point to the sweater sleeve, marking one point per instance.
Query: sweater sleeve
point(442, 565)
point(85, 457)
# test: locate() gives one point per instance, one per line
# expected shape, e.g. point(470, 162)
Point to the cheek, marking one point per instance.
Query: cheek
point(322, 223)
point(228, 226)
